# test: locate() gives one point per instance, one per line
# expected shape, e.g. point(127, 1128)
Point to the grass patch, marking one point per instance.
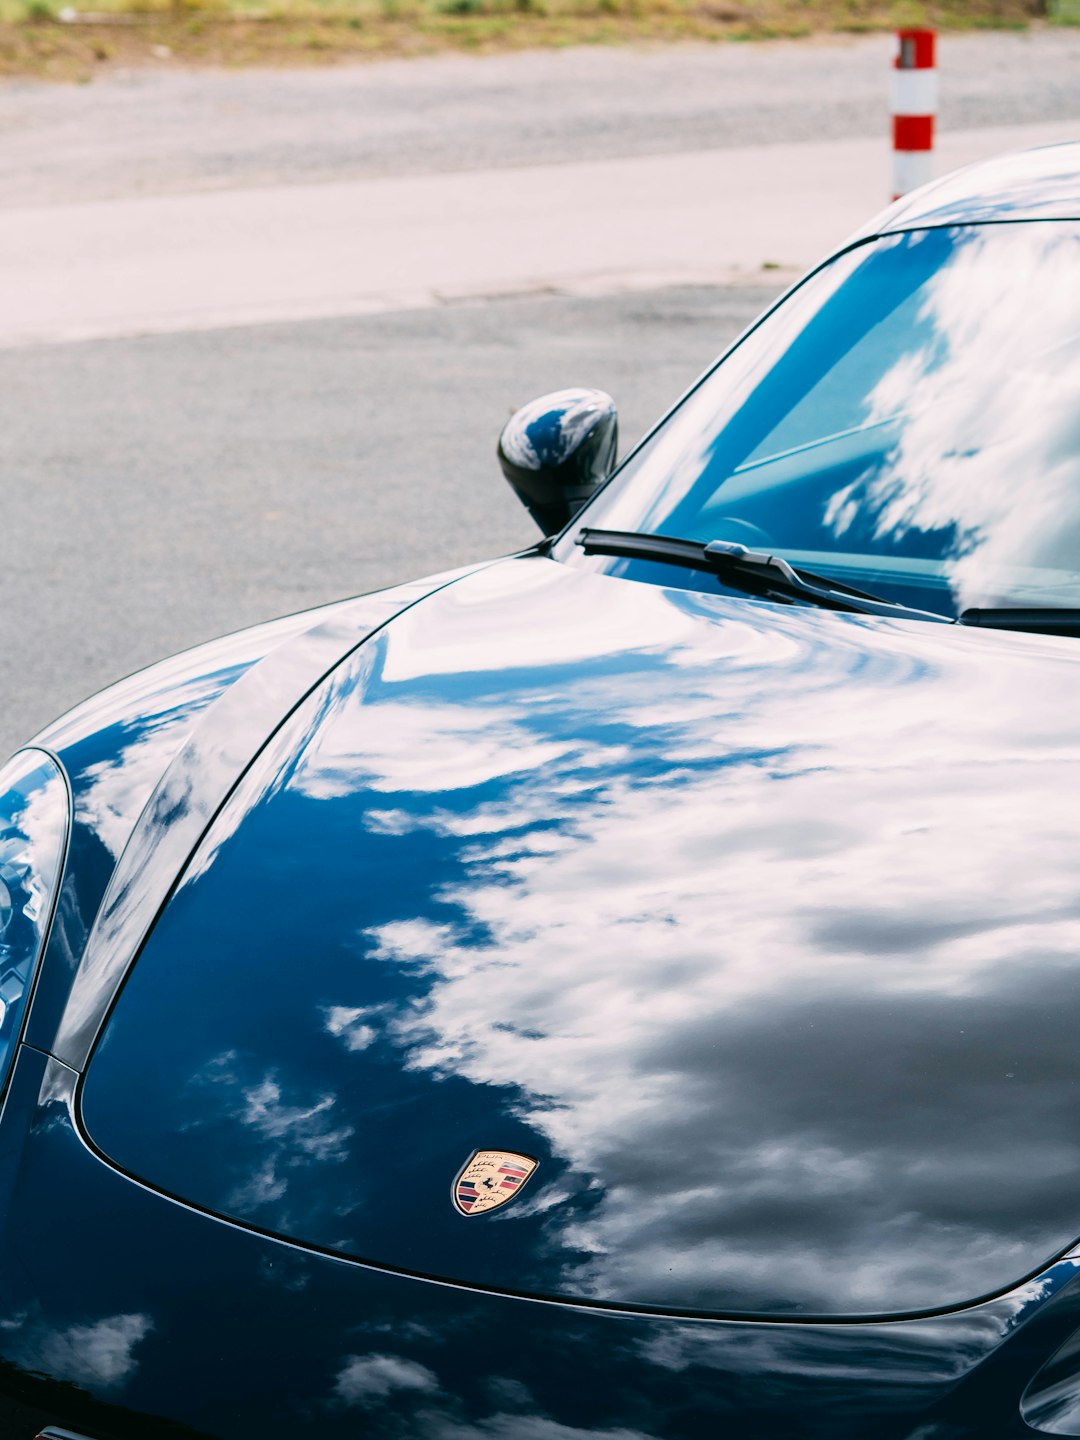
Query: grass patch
point(53, 38)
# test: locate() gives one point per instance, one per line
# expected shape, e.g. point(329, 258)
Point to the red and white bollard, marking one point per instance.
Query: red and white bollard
point(914, 105)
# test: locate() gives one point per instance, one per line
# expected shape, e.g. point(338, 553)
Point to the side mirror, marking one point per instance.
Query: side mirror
point(558, 450)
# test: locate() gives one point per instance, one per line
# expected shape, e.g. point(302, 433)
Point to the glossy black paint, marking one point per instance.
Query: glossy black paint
point(788, 1013)
point(114, 748)
point(160, 822)
point(35, 823)
point(118, 1308)
point(1039, 184)
point(890, 806)
point(557, 451)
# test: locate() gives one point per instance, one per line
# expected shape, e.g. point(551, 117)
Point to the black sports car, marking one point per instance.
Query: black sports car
point(625, 991)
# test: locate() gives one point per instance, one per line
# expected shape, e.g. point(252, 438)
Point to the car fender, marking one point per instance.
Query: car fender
point(149, 761)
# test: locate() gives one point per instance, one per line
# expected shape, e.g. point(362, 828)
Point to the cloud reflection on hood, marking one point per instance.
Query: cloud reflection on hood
point(771, 959)
point(99, 1354)
point(696, 956)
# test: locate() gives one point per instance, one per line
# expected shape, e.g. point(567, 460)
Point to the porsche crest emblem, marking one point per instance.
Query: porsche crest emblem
point(489, 1179)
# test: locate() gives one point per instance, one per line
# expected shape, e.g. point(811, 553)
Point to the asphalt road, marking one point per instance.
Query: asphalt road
point(163, 490)
point(158, 132)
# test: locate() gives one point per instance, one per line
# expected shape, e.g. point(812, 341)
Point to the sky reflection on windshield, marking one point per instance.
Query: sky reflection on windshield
point(990, 445)
point(917, 402)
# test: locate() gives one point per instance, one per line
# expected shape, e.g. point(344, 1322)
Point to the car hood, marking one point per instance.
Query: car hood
point(756, 926)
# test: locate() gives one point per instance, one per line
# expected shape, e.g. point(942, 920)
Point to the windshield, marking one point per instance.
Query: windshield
point(908, 421)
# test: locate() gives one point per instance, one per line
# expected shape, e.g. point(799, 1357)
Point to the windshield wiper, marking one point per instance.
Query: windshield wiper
point(1033, 620)
point(752, 571)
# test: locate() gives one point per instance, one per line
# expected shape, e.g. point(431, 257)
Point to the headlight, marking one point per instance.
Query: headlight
point(34, 822)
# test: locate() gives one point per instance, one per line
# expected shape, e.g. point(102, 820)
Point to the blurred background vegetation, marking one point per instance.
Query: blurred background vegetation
point(55, 38)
